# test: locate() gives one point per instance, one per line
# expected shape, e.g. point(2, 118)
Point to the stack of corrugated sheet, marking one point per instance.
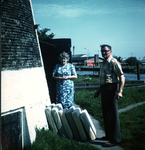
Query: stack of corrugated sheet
point(71, 123)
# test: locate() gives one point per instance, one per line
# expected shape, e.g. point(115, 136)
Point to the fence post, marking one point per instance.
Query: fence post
point(93, 68)
point(138, 71)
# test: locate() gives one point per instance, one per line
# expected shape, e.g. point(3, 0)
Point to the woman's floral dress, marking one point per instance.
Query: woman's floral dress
point(64, 88)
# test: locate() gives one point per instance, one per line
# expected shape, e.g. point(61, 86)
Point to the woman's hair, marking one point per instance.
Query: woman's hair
point(64, 55)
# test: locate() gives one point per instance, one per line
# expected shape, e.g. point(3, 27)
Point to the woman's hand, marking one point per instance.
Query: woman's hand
point(65, 78)
point(74, 76)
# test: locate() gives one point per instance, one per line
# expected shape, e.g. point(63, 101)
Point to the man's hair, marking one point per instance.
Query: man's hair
point(105, 45)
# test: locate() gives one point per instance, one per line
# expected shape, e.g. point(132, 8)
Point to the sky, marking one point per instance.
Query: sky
point(91, 23)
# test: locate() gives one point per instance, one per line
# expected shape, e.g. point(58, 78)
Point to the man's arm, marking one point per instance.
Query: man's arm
point(97, 93)
point(121, 86)
point(122, 82)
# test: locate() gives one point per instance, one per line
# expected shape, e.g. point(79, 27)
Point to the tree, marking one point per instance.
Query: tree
point(132, 61)
point(42, 34)
point(118, 58)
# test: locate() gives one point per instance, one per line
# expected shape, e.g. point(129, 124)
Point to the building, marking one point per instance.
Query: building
point(24, 89)
point(84, 60)
point(51, 50)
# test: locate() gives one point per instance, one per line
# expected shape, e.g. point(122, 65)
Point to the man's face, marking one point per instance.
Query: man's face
point(106, 52)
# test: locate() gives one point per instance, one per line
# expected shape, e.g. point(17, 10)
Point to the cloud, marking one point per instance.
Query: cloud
point(78, 10)
point(61, 11)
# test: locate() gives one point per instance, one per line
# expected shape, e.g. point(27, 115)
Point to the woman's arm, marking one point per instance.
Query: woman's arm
point(74, 76)
point(56, 77)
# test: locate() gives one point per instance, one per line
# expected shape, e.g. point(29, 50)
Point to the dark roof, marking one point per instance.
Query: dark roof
point(78, 55)
point(81, 58)
point(55, 42)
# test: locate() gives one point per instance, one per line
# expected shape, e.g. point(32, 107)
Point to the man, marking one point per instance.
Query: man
point(111, 91)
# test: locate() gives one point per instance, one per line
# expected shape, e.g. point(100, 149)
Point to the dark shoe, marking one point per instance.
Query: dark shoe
point(108, 144)
point(104, 138)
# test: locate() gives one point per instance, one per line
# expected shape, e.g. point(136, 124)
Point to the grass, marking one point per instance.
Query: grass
point(132, 125)
point(131, 95)
point(86, 78)
point(47, 140)
point(132, 122)
point(85, 99)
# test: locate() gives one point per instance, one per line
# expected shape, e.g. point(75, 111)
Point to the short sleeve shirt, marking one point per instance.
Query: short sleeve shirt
point(110, 70)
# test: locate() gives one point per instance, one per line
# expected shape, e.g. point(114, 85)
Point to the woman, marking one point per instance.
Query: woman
point(64, 73)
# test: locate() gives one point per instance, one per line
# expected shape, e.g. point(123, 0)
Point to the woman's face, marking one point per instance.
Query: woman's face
point(63, 61)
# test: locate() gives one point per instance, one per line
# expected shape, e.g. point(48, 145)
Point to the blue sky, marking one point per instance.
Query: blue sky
point(90, 23)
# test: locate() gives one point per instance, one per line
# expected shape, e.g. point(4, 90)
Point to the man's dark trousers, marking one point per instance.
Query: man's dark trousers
point(110, 112)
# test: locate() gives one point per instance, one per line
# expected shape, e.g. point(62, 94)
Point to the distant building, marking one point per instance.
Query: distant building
point(83, 59)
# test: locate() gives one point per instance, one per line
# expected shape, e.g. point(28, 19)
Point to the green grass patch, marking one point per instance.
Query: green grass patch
point(131, 95)
point(86, 78)
point(132, 125)
point(47, 140)
point(86, 100)
point(132, 122)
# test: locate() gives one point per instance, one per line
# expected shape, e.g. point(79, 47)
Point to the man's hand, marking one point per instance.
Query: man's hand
point(97, 94)
point(119, 95)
